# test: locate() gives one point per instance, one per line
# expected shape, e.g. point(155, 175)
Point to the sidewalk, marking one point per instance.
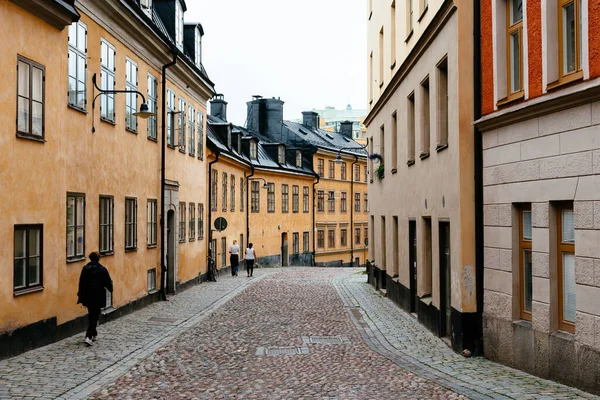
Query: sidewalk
point(69, 369)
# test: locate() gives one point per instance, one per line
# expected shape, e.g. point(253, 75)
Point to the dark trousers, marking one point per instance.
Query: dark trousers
point(234, 259)
point(249, 266)
point(93, 316)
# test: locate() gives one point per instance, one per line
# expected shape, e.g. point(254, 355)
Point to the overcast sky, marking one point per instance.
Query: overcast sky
point(311, 53)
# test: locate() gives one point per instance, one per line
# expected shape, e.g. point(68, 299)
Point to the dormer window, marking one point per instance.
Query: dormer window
point(281, 155)
point(239, 144)
point(198, 48)
point(229, 137)
point(179, 25)
point(253, 150)
point(298, 158)
point(146, 6)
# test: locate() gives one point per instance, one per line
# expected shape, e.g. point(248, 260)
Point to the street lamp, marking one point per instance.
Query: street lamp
point(144, 109)
point(265, 186)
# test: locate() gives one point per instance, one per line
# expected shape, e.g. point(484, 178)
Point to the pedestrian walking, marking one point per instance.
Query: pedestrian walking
point(250, 258)
point(234, 258)
point(93, 281)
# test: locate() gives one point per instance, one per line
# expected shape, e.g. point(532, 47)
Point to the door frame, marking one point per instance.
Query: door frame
point(412, 264)
point(445, 273)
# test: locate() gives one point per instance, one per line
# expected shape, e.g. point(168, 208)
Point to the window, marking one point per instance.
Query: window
point(179, 24)
point(295, 243)
point(298, 158)
point(253, 150)
point(321, 167)
point(569, 40)
point(214, 184)
point(330, 238)
point(224, 191)
point(366, 200)
point(107, 219)
point(305, 242)
point(28, 260)
point(295, 198)
point(270, 197)
point(30, 98)
point(331, 201)
point(425, 131)
point(181, 127)
point(566, 269)
point(192, 222)
point(198, 48)
point(343, 172)
point(130, 224)
point(131, 82)
point(242, 199)
point(371, 78)
point(525, 263)
point(514, 10)
point(344, 237)
point(366, 233)
point(356, 235)
point(356, 173)
point(410, 129)
point(152, 106)
point(201, 221)
point(285, 198)
point(381, 58)
point(321, 238)
point(381, 147)
point(192, 130)
point(331, 170)
point(182, 210)
point(255, 197)
point(370, 152)
point(394, 140)
point(242, 246)
point(108, 68)
point(151, 280)
point(305, 206)
point(151, 213)
point(409, 18)
point(281, 154)
point(200, 135)
point(75, 226)
point(393, 34)
point(344, 202)
point(423, 7)
point(442, 104)
point(357, 202)
point(171, 118)
point(365, 173)
point(77, 64)
point(223, 252)
point(320, 201)
point(232, 205)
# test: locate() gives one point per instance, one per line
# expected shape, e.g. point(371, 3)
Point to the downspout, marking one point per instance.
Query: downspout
point(163, 148)
point(248, 204)
point(314, 225)
point(478, 159)
point(210, 224)
point(352, 210)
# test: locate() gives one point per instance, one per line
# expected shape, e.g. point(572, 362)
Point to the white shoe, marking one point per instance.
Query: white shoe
point(88, 341)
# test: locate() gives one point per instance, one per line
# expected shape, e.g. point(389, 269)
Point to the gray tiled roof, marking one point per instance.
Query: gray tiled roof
point(326, 140)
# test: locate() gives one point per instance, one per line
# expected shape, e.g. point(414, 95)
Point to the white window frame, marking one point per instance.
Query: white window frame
point(108, 69)
point(152, 106)
point(131, 84)
point(77, 51)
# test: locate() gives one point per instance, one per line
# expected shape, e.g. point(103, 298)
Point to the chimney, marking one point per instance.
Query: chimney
point(218, 107)
point(310, 119)
point(346, 128)
point(265, 116)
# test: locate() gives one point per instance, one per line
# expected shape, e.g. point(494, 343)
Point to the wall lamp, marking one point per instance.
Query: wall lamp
point(144, 110)
point(265, 186)
point(338, 157)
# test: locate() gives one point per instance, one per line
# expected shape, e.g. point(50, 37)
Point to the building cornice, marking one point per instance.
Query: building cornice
point(583, 93)
point(433, 29)
point(58, 13)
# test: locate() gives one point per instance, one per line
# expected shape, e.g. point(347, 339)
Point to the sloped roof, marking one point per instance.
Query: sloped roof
point(332, 141)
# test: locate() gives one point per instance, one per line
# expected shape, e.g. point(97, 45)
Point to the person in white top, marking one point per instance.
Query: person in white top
point(234, 258)
point(250, 257)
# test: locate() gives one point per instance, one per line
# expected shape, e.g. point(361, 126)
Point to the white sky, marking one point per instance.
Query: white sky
point(311, 53)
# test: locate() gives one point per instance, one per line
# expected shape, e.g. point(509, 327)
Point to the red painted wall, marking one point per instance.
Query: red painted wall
point(487, 58)
point(594, 37)
point(534, 50)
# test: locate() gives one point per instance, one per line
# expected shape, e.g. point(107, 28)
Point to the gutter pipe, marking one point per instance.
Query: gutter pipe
point(248, 204)
point(314, 225)
point(352, 210)
point(210, 206)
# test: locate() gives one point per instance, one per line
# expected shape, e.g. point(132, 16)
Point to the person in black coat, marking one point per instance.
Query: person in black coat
point(93, 281)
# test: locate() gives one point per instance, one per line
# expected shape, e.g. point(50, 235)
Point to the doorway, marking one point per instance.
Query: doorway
point(445, 281)
point(284, 250)
point(223, 252)
point(357, 262)
point(412, 264)
point(171, 251)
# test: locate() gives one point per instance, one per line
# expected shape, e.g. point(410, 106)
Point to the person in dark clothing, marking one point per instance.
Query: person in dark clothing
point(93, 281)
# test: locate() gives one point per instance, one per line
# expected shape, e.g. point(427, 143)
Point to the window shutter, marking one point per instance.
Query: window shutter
point(135, 224)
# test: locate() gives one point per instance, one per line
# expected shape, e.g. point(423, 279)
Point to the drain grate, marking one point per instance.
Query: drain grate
point(164, 320)
point(326, 340)
point(281, 351)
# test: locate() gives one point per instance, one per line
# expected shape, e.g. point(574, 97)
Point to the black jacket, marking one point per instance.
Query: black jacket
point(92, 282)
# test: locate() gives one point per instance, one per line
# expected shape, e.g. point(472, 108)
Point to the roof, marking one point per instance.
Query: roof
point(326, 140)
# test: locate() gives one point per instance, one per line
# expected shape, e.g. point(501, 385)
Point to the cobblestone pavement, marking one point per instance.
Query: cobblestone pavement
point(337, 338)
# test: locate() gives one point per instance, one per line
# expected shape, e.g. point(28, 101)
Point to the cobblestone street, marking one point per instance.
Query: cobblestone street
point(297, 333)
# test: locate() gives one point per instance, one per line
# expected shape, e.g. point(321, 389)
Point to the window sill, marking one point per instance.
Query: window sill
point(393, 65)
point(22, 292)
point(201, 238)
point(170, 146)
point(409, 36)
point(381, 84)
point(192, 155)
point(33, 138)
point(130, 250)
point(523, 323)
point(370, 15)
point(510, 99)
point(108, 310)
point(107, 253)
point(394, 170)
point(371, 102)
point(151, 246)
point(201, 158)
point(131, 131)
point(271, 212)
point(423, 13)
point(182, 150)
point(441, 147)
point(75, 108)
point(424, 155)
point(153, 291)
point(410, 162)
point(153, 139)
point(181, 241)
point(108, 121)
point(565, 80)
point(75, 259)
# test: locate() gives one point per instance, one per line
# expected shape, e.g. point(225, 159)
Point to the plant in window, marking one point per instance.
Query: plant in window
point(380, 171)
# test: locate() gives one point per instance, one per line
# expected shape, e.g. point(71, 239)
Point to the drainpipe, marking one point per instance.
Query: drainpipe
point(478, 159)
point(210, 224)
point(352, 210)
point(314, 224)
point(163, 148)
point(248, 204)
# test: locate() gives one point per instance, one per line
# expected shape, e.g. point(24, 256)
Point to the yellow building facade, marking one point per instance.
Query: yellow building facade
point(87, 171)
